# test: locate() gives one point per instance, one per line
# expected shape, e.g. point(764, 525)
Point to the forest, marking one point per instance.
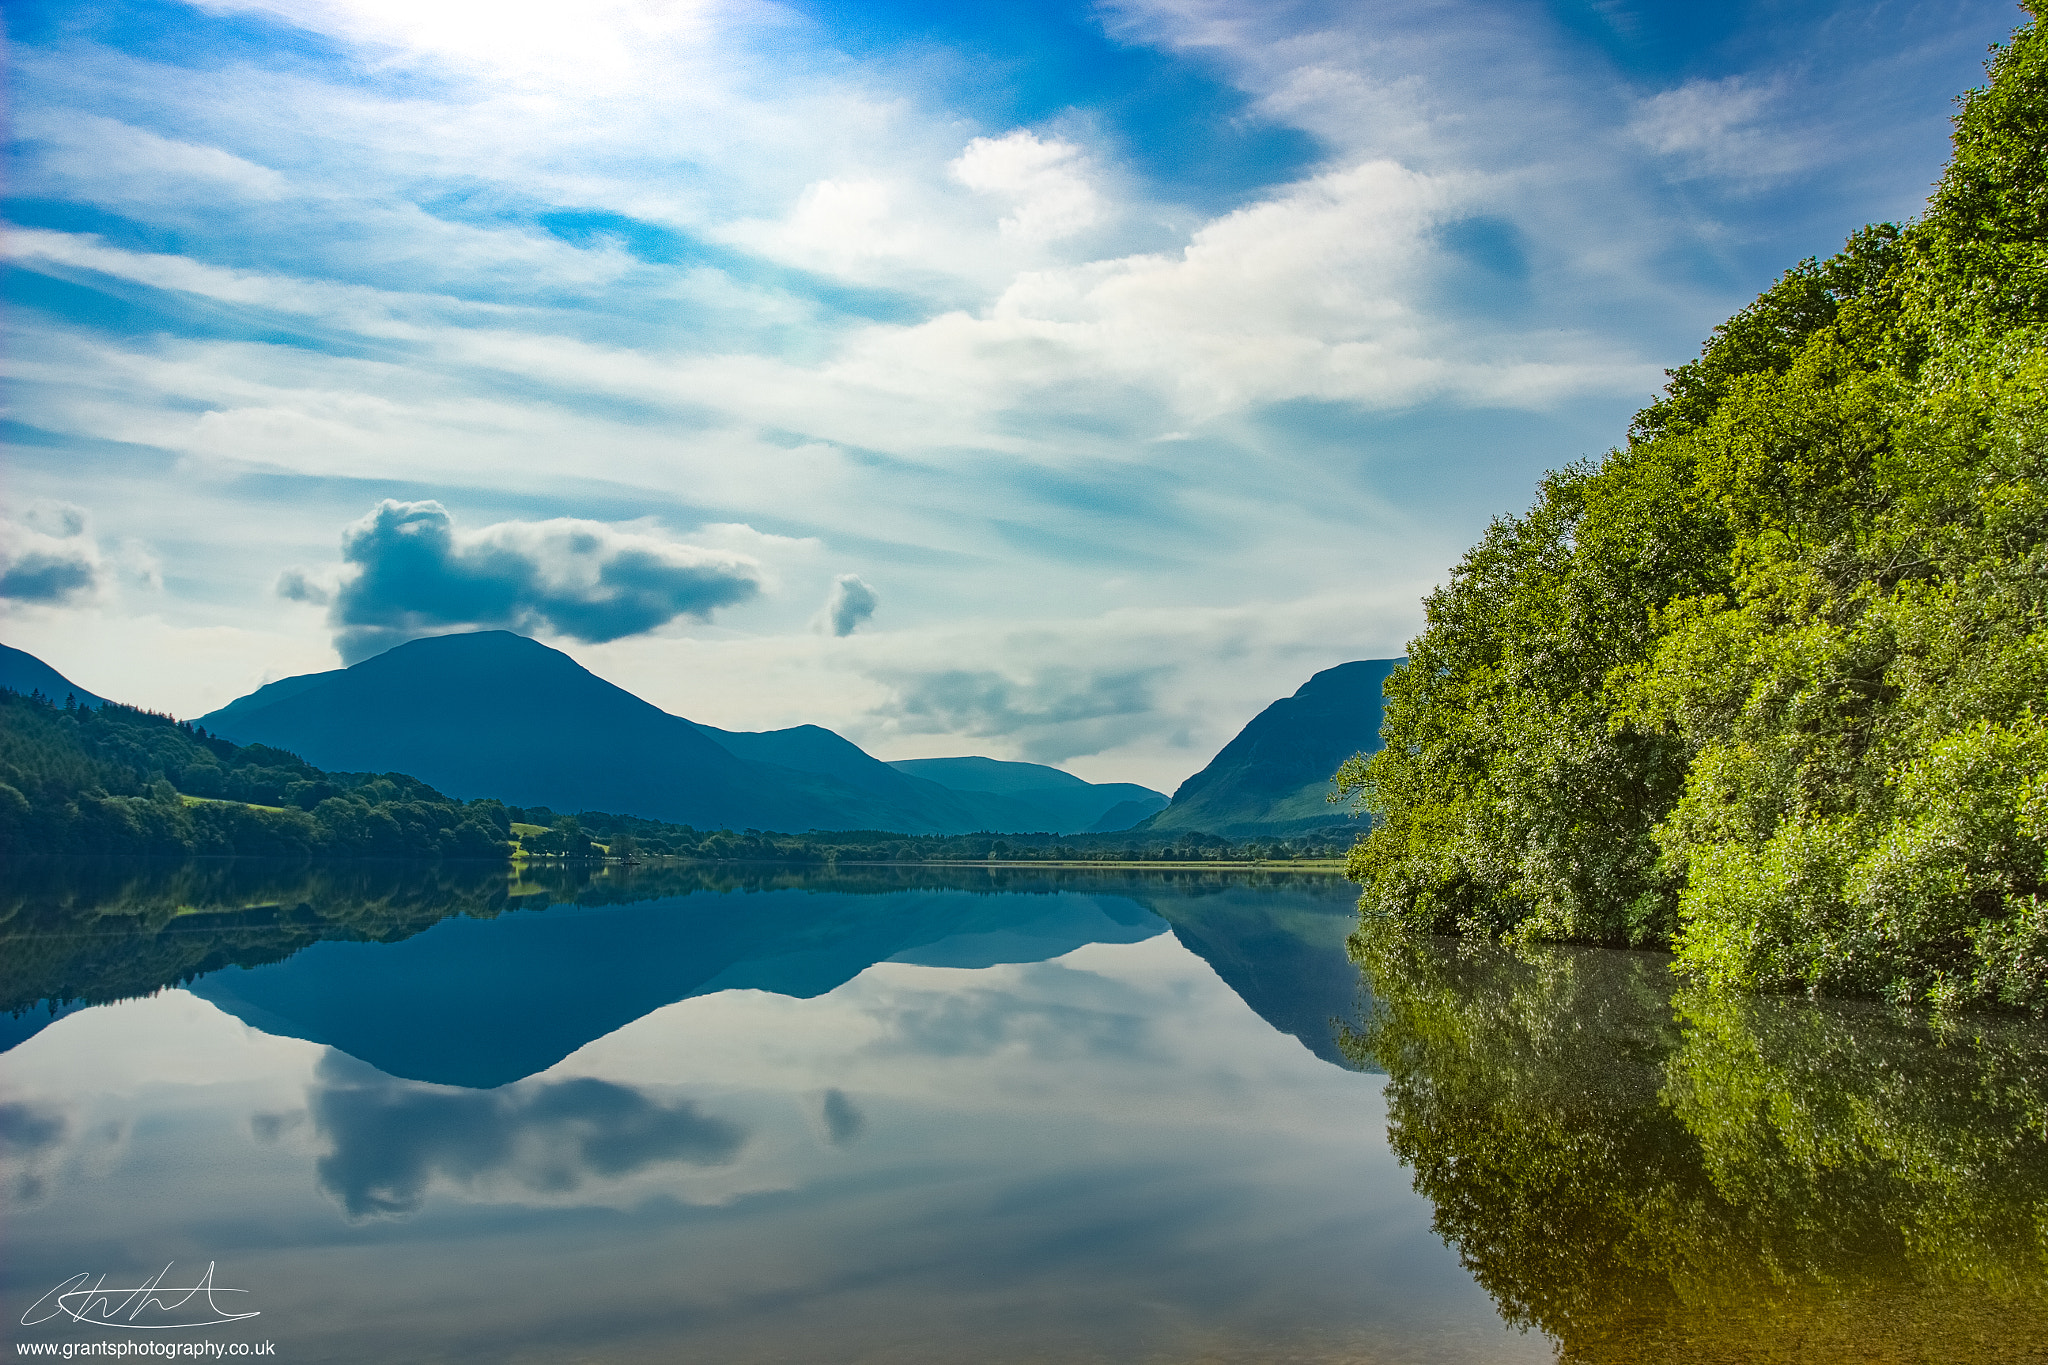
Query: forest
point(117, 780)
point(1763, 683)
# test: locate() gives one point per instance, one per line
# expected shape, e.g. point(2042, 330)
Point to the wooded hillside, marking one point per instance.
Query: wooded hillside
point(114, 779)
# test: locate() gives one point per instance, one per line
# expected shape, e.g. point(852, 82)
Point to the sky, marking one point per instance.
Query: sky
point(1051, 381)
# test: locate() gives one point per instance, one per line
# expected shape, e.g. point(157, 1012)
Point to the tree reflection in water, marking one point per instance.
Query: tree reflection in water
point(1647, 1174)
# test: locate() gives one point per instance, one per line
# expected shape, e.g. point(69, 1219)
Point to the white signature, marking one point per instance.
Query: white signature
point(103, 1307)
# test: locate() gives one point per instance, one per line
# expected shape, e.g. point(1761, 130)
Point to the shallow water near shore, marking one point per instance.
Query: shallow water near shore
point(451, 1114)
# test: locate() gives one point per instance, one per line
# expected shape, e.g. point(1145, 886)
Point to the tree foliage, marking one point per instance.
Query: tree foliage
point(656, 838)
point(1765, 683)
point(117, 780)
point(1649, 1175)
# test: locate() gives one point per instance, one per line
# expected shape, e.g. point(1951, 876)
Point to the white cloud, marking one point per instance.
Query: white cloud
point(1047, 182)
point(411, 572)
point(1732, 129)
point(109, 161)
point(48, 557)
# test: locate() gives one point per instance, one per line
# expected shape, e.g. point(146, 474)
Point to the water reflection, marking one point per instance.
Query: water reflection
point(441, 973)
point(843, 1119)
point(28, 1133)
point(388, 1139)
point(1644, 1177)
point(902, 1118)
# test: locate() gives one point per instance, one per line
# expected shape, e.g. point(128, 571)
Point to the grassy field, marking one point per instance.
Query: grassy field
point(222, 801)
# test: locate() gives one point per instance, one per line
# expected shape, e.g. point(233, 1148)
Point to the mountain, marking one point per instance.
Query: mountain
point(989, 775)
point(1127, 814)
point(295, 947)
point(1042, 798)
point(23, 672)
point(496, 714)
point(1285, 958)
point(1272, 779)
point(814, 749)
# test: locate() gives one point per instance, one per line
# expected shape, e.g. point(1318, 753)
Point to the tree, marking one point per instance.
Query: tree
point(1764, 684)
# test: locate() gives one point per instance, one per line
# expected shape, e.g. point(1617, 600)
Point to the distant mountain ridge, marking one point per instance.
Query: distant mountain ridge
point(1078, 805)
point(1274, 777)
point(492, 713)
point(23, 672)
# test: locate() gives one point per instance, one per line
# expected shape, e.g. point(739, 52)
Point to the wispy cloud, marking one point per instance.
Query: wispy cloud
point(1052, 713)
point(639, 265)
point(1732, 129)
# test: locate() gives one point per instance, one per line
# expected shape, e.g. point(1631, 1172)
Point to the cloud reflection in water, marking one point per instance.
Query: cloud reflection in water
point(27, 1133)
point(843, 1119)
point(390, 1139)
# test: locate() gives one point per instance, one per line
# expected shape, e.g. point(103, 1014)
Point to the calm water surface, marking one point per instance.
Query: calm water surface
point(435, 1114)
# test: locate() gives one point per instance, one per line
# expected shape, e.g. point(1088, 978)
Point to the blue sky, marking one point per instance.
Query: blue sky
point(1056, 381)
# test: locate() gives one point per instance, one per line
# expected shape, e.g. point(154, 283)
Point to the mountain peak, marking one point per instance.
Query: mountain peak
point(493, 713)
point(988, 774)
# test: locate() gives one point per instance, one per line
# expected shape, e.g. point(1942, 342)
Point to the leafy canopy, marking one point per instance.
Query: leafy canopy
point(1764, 684)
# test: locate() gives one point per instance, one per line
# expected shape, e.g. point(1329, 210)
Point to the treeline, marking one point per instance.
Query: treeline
point(1766, 684)
point(596, 833)
point(117, 780)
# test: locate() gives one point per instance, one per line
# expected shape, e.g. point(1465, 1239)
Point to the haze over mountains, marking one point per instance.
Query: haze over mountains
point(494, 714)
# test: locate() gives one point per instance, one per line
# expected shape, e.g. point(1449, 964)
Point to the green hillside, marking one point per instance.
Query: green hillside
point(1766, 682)
point(112, 779)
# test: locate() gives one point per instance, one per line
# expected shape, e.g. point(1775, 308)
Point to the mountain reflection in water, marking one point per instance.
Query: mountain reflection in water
point(1650, 1175)
point(458, 989)
point(700, 1113)
point(938, 1113)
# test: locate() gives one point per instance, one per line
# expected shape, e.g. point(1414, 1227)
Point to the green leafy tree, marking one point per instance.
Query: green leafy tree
point(1764, 684)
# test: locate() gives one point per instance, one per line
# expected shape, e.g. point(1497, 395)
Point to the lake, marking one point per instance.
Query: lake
point(412, 1113)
